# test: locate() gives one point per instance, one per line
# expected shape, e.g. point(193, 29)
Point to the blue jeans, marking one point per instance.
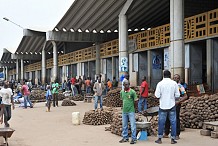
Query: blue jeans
point(162, 119)
point(26, 99)
point(125, 118)
point(142, 102)
point(96, 101)
point(88, 89)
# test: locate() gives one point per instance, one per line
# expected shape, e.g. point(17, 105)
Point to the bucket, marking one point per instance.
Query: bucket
point(76, 118)
point(142, 135)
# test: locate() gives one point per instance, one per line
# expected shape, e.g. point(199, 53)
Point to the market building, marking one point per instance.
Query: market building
point(113, 37)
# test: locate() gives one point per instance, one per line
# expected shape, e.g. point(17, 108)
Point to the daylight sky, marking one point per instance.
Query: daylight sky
point(40, 15)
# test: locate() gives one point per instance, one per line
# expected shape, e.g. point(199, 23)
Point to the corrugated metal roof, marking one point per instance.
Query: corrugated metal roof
point(103, 14)
point(32, 41)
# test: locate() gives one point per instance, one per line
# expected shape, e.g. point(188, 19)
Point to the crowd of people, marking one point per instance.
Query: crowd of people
point(171, 94)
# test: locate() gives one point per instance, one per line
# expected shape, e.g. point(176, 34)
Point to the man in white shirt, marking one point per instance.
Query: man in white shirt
point(167, 91)
point(98, 88)
point(7, 101)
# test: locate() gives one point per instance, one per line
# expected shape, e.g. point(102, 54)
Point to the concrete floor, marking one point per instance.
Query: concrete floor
point(36, 127)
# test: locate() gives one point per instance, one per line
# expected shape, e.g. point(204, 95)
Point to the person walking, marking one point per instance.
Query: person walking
point(167, 91)
point(183, 97)
point(98, 89)
point(7, 101)
point(48, 98)
point(143, 95)
point(55, 87)
point(128, 97)
point(73, 82)
point(25, 92)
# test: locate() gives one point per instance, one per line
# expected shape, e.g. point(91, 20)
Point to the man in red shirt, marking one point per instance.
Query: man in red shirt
point(25, 92)
point(143, 95)
point(73, 82)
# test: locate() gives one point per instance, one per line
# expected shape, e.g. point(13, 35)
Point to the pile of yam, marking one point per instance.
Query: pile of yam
point(78, 98)
point(37, 94)
point(197, 110)
point(67, 102)
point(116, 125)
point(97, 117)
point(113, 98)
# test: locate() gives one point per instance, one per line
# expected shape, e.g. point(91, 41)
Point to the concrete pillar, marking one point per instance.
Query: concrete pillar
point(43, 66)
point(209, 62)
point(30, 76)
point(113, 67)
point(177, 37)
point(36, 77)
point(98, 60)
point(187, 63)
point(123, 45)
point(149, 67)
point(89, 69)
point(17, 70)
point(21, 70)
point(64, 73)
point(55, 60)
point(133, 75)
point(6, 73)
point(79, 69)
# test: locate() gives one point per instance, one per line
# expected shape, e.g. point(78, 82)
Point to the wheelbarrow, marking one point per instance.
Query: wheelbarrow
point(152, 111)
point(6, 133)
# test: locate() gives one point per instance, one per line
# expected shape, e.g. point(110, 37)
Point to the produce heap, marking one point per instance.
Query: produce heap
point(197, 110)
point(98, 117)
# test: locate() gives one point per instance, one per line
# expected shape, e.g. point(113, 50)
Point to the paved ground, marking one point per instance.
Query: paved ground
point(35, 127)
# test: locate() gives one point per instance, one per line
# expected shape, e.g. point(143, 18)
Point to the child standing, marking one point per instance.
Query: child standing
point(48, 98)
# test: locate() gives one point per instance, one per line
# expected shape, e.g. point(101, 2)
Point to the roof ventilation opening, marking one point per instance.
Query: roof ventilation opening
point(136, 29)
point(94, 31)
point(143, 29)
point(21, 52)
point(26, 52)
point(72, 30)
point(108, 31)
point(79, 30)
point(64, 29)
point(101, 31)
point(31, 53)
point(56, 29)
point(129, 29)
point(87, 30)
point(116, 30)
point(149, 28)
